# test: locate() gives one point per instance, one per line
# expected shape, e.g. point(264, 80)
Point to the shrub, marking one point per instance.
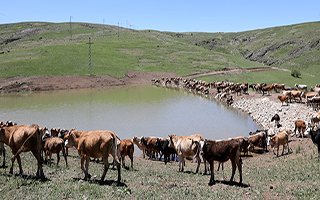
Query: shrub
point(295, 73)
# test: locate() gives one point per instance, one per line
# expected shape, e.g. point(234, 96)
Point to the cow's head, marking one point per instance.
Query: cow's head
point(70, 140)
point(272, 141)
point(45, 133)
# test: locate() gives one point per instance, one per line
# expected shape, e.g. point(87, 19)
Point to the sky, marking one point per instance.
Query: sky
point(166, 15)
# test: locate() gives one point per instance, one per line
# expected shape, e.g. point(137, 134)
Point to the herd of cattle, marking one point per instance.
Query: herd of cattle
point(223, 90)
point(103, 144)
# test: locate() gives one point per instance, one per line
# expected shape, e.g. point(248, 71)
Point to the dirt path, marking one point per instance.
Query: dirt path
point(232, 71)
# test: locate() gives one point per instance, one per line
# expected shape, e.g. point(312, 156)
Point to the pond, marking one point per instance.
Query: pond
point(128, 111)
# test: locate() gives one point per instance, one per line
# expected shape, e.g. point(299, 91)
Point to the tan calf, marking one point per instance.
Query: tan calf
point(282, 138)
point(126, 148)
point(54, 145)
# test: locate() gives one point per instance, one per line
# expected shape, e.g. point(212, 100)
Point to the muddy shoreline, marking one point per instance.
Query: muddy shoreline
point(47, 83)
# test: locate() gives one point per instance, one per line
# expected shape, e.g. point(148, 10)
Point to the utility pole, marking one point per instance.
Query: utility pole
point(118, 30)
point(70, 29)
point(103, 27)
point(89, 59)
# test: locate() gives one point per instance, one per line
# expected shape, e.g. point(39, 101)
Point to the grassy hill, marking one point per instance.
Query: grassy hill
point(55, 49)
point(287, 47)
point(52, 49)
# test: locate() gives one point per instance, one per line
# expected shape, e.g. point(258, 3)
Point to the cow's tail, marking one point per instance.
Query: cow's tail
point(198, 152)
point(116, 150)
point(22, 146)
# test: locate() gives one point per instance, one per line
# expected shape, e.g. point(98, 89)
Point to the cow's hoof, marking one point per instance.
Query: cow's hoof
point(211, 183)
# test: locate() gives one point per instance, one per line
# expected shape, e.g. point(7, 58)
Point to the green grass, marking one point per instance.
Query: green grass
point(265, 176)
point(267, 77)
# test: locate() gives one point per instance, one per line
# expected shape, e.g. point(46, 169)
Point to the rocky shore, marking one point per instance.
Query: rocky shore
point(261, 109)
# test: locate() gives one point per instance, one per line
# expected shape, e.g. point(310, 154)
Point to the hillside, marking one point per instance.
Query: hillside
point(295, 46)
point(36, 49)
point(60, 49)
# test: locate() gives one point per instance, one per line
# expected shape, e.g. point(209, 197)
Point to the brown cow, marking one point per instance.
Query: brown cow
point(185, 147)
point(95, 144)
point(54, 145)
point(163, 145)
point(244, 144)
point(301, 126)
point(2, 148)
point(126, 148)
point(295, 94)
point(222, 151)
point(137, 141)
point(23, 138)
point(3, 152)
point(278, 87)
point(283, 98)
point(267, 89)
point(55, 132)
point(282, 138)
point(152, 149)
point(258, 138)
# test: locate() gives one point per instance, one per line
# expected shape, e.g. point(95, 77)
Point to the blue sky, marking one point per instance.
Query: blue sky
point(166, 15)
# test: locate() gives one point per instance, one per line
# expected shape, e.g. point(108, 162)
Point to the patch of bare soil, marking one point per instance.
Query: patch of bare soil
point(35, 83)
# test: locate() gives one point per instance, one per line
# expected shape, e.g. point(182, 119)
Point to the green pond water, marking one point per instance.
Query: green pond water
point(128, 111)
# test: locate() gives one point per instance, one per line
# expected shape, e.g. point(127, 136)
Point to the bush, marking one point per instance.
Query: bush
point(295, 73)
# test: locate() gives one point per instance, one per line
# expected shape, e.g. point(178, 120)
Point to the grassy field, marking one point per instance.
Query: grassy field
point(268, 77)
point(293, 176)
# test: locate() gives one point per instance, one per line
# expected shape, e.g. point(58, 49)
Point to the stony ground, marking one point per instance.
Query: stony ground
point(261, 109)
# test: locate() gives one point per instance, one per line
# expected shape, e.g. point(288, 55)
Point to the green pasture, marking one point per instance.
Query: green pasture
point(274, 76)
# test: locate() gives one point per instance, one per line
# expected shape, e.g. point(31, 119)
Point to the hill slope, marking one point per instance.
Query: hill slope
point(294, 46)
point(36, 49)
point(57, 49)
